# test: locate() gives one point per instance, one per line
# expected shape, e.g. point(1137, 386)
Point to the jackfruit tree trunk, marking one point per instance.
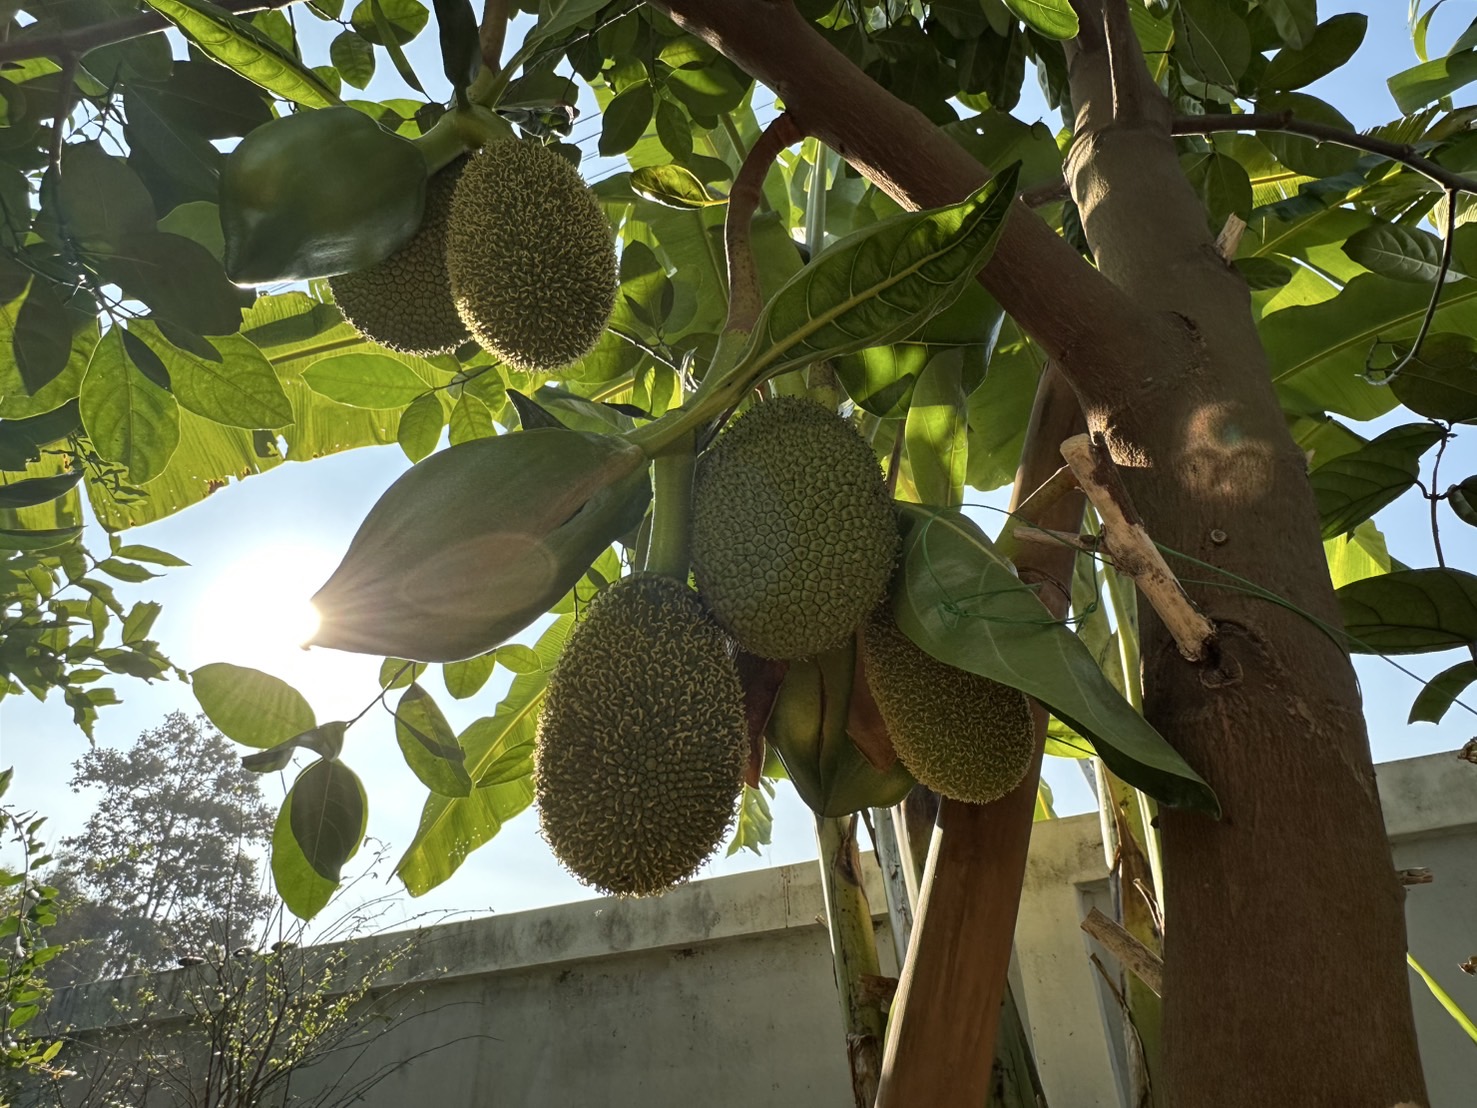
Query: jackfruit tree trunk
point(1284, 970)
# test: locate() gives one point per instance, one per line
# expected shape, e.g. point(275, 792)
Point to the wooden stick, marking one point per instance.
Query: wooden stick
point(1133, 552)
point(1133, 955)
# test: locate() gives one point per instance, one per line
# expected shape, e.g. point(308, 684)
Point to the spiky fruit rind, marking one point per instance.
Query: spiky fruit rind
point(531, 257)
point(794, 537)
point(960, 734)
point(404, 302)
point(642, 742)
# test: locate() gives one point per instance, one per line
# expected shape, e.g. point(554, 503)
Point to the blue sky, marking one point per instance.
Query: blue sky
point(255, 544)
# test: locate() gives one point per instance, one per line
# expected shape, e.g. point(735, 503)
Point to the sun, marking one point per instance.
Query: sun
point(256, 611)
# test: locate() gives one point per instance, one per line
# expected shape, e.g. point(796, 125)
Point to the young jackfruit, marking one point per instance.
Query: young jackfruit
point(793, 537)
point(960, 734)
point(642, 742)
point(404, 302)
point(531, 257)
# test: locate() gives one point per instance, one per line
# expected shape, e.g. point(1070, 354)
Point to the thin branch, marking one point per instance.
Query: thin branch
point(744, 297)
point(1385, 376)
point(79, 40)
point(493, 32)
point(1133, 955)
point(1400, 152)
point(1133, 551)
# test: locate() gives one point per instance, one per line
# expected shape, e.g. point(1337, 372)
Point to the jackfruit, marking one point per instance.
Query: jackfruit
point(404, 302)
point(643, 740)
point(531, 257)
point(960, 734)
point(793, 537)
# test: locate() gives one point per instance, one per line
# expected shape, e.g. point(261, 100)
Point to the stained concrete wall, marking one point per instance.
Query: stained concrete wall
point(721, 994)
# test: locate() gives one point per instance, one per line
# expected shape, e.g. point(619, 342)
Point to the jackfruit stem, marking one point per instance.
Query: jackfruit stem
point(670, 549)
point(457, 131)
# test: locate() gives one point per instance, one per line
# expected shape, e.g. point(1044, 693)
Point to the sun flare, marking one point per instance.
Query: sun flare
point(257, 609)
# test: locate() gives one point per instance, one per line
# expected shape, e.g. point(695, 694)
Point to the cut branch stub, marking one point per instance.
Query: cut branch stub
point(1133, 552)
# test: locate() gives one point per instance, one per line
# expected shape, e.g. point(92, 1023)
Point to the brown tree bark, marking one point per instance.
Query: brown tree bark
point(1284, 975)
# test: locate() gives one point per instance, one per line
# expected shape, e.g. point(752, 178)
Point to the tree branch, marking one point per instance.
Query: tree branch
point(79, 40)
point(744, 297)
point(493, 32)
point(1403, 153)
point(1033, 271)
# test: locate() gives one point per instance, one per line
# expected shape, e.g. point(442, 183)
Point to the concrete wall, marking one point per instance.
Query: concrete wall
point(720, 994)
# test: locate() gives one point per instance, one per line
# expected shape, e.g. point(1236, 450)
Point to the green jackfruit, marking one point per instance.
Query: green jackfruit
point(960, 734)
point(531, 257)
point(794, 537)
point(642, 742)
point(405, 302)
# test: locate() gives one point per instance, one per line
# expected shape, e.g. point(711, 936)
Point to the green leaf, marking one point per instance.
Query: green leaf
point(37, 490)
point(47, 539)
point(124, 571)
point(1211, 42)
point(936, 434)
point(961, 602)
point(456, 24)
point(466, 678)
point(1441, 692)
point(420, 426)
point(470, 419)
point(101, 199)
point(1318, 351)
point(1351, 488)
point(391, 34)
point(251, 707)
point(237, 44)
point(1428, 82)
point(1052, 18)
point(40, 336)
point(199, 221)
point(517, 658)
point(557, 16)
point(328, 815)
point(301, 887)
point(625, 119)
point(353, 56)
point(1221, 183)
point(238, 389)
point(1261, 274)
point(405, 18)
point(1304, 155)
point(1397, 251)
point(674, 186)
point(129, 419)
point(365, 380)
point(177, 278)
point(1463, 500)
point(452, 827)
point(326, 741)
point(881, 284)
point(397, 673)
point(1296, 20)
point(1332, 44)
point(140, 619)
point(1440, 382)
point(429, 744)
point(1410, 611)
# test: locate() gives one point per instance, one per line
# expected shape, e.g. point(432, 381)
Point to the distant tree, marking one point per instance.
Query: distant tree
point(165, 865)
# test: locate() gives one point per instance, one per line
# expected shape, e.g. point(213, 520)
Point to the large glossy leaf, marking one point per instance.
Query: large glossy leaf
point(129, 419)
point(1429, 81)
point(251, 707)
point(1359, 554)
point(1351, 488)
point(302, 888)
point(960, 601)
point(429, 745)
point(237, 44)
point(937, 437)
point(1331, 45)
point(328, 815)
point(1440, 382)
point(101, 199)
point(1319, 352)
point(882, 283)
point(1394, 250)
point(1410, 611)
point(452, 827)
point(1053, 18)
point(365, 380)
point(237, 387)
